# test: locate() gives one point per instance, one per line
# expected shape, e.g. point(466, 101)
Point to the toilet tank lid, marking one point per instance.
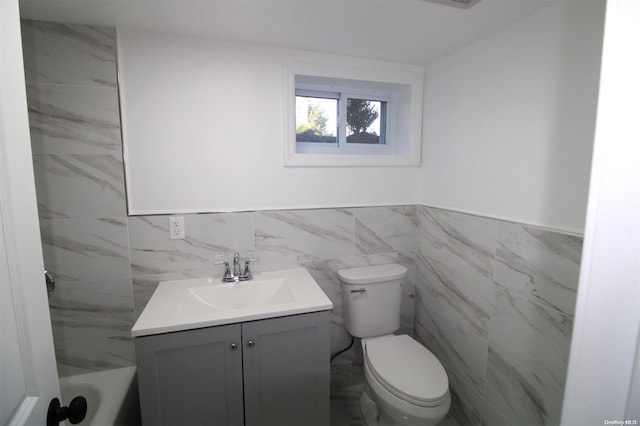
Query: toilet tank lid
point(372, 274)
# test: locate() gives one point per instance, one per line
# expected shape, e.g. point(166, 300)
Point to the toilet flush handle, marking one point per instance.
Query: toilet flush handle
point(359, 290)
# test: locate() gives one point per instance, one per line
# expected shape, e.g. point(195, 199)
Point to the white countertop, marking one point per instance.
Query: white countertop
point(180, 305)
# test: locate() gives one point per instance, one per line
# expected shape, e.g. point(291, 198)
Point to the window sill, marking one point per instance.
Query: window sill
point(345, 160)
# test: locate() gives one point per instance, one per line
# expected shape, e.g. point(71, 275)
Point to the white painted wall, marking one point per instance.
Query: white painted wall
point(202, 127)
point(509, 120)
point(507, 130)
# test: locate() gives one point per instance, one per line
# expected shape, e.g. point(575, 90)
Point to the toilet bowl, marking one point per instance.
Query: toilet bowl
point(405, 384)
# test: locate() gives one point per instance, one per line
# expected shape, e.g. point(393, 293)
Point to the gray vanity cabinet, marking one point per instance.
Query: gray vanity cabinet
point(191, 377)
point(266, 372)
point(286, 370)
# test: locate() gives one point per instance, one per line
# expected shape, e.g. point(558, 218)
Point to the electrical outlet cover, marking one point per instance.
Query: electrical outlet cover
point(176, 228)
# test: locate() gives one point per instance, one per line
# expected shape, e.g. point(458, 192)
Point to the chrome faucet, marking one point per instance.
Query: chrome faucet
point(237, 274)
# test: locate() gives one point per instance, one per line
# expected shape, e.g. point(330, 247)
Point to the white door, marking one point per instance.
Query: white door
point(28, 375)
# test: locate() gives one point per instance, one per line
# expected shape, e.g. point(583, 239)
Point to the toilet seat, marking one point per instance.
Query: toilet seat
point(407, 370)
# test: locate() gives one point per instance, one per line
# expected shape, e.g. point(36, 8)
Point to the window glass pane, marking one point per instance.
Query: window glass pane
point(366, 121)
point(316, 119)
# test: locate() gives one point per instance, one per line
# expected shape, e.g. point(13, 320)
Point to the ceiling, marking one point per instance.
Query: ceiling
point(411, 31)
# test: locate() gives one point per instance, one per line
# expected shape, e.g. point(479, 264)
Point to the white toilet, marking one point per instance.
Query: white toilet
point(405, 384)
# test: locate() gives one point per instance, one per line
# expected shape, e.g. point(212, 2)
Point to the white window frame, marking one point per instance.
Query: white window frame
point(399, 85)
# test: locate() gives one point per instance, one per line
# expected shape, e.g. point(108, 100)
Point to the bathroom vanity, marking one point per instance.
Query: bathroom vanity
point(250, 353)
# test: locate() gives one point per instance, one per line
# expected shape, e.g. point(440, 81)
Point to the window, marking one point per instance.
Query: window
point(366, 121)
point(317, 117)
point(334, 120)
point(339, 120)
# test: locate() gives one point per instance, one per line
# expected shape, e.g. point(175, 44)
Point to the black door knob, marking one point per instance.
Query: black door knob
point(75, 412)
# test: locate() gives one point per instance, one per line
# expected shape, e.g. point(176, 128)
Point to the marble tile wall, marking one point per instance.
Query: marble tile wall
point(321, 240)
point(77, 155)
point(495, 303)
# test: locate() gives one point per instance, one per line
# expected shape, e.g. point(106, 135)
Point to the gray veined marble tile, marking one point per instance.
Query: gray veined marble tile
point(345, 403)
point(304, 235)
point(540, 264)
point(385, 229)
point(528, 357)
point(69, 54)
point(91, 309)
point(79, 186)
point(74, 120)
point(466, 403)
point(86, 249)
point(86, 356)
point(207, 236)
point(456, 345)
point(492, 417)
point(325, 274)
point(512, 392)
point(463, 297)
point(461, 241)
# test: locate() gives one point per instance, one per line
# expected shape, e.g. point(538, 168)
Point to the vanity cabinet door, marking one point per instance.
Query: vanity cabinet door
point(286, 370)
point(191, 377)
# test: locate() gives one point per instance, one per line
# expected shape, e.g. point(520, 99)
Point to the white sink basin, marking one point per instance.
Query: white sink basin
point(204, 302)
point(244, 294)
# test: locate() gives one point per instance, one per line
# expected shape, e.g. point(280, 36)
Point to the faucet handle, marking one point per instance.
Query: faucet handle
point(227, 271)
point(247, 261)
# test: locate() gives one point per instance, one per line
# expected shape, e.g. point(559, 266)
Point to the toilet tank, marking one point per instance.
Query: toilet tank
point(372, 299)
